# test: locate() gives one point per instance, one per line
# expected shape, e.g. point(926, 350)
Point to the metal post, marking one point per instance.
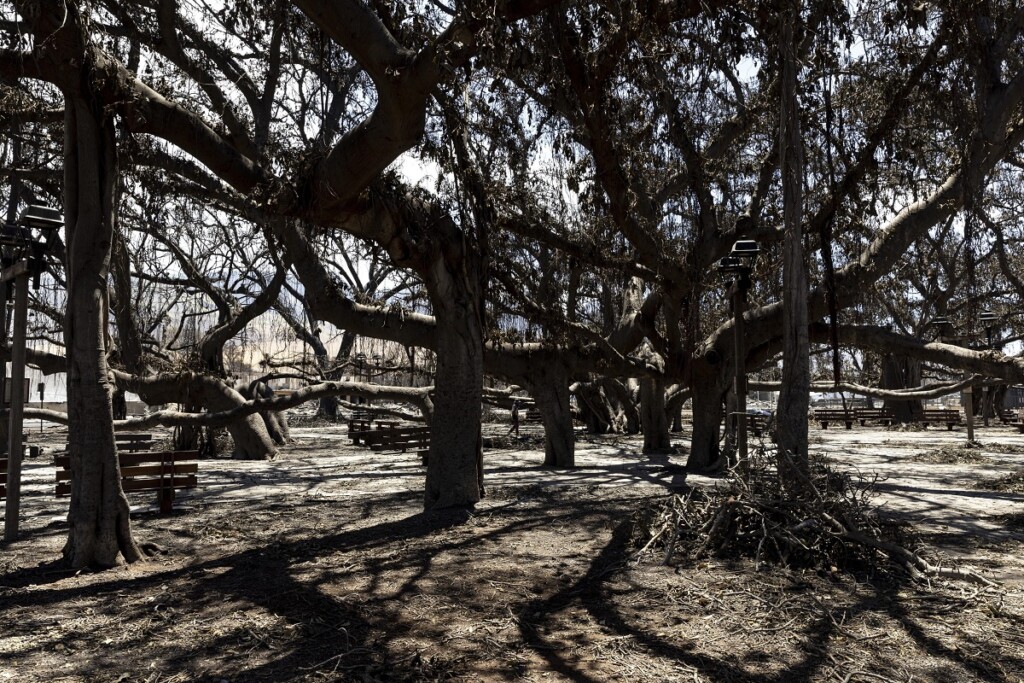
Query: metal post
point(984, 388)
point(740, 372)
point(14, 449)
point(984, 405)
point(969, 410)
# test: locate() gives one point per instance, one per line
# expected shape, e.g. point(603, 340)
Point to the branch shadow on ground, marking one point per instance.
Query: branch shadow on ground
point(341, 605)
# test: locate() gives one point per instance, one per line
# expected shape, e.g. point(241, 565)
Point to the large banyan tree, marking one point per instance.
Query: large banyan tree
point(593, 161)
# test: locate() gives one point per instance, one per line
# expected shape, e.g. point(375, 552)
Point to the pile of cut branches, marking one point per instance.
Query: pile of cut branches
point(953, 454)
point(828, 524)
point(1010, 483)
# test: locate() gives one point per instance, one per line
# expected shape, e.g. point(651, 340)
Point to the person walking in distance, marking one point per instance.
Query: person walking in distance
point(515, 419)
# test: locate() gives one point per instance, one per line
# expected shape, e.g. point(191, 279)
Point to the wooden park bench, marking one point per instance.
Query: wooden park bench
point(826, 415)
point(880, 415)
point(951, 417)
point(1016, 419)
point(392, 437)
point(756, 422)
point(131, 443)
point(33, 451)
point(1007, 416)
point(358, 428)
point(164, 472)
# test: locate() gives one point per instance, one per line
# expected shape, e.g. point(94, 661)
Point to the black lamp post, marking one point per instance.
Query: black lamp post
point(988, 319)
point(361, 369)
point(738, 265)
point(23, 248)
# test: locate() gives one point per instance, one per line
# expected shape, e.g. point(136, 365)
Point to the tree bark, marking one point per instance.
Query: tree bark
point(551, 391)
point(276, 422)
point(249, 433)
point(100, 528)
point(654, 416)
point(328, 406)
point(791, 416)
point(455, 461)
point(706, 402)
point(676, 410)
point(596, 411)
point(902, 372)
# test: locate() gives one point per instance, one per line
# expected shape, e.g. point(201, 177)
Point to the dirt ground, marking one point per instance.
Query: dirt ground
point(320, 566)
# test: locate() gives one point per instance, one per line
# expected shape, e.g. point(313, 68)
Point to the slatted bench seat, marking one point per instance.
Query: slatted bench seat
point(880, 415)
point(826, 415)
point(33, 452)
point(951, 418)
point(756, 422)
point(127, 442)
point(358, 428)
point(395, 438)
point(164, 472)
point(1007, 416)
point(398, 438)
point(130, 443)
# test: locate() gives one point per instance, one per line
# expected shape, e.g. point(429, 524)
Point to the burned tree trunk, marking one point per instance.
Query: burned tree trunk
point(276, 422)
point(550, 388)
point(328, 406)
point(654, 416)
point(902, 372)
point(100, 530)
point(706, 384)
point(455, 461)
point(794, 398)
point(594, 406)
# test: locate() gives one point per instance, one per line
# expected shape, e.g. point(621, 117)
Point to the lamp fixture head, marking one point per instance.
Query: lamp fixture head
point(732, 264)
point(988, 318)
point(745, 249)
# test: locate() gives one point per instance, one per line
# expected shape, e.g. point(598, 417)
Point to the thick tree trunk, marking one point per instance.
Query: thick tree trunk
point(677, 417)
point(551, 391)
point(455, 462)
point(100, 529)
point(328, 406)
point(791, 416)
point(706, 402)
point(188, 437)
point(250, 436)
point(654, 416)
point(597, 413)
point(902, 372)
point(627, 393)
point(276, 422)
